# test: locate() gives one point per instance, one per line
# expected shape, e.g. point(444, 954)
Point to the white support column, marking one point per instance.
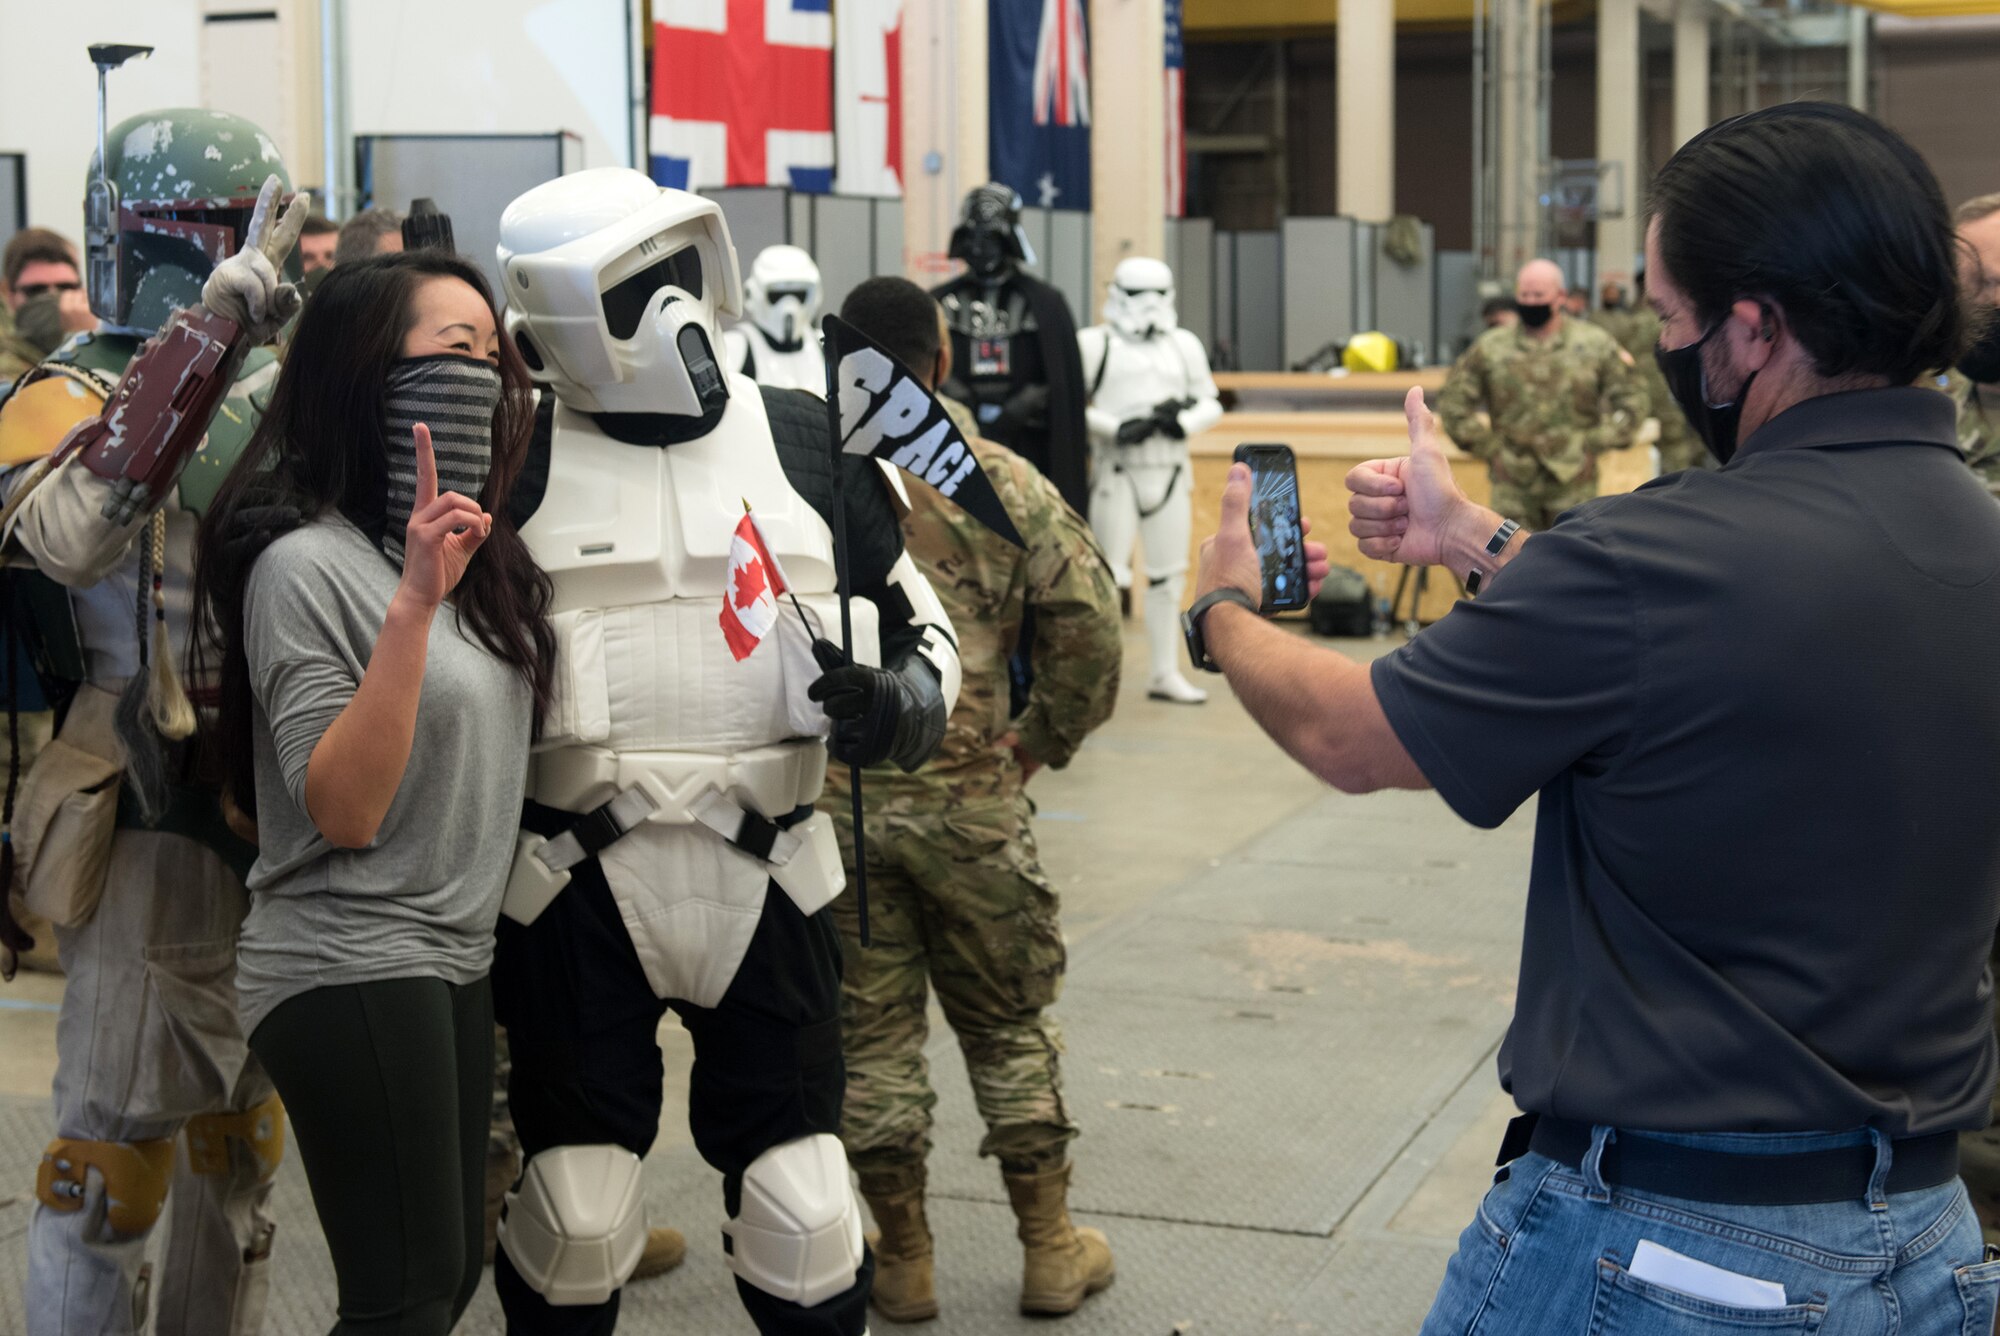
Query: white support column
point(1691, 76)
point(1859, 29)
point(1365, 84)
point(944, 126)
point(1619, 187)
point(1128, 138)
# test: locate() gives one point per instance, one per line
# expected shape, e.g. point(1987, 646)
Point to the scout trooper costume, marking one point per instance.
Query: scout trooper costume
point(673, 858)
point(120, 843)
point(1150, 389)
point(778, 341)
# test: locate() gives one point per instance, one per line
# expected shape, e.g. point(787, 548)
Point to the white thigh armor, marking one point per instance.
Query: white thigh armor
point(797, 1233)
point(654, 711)
point(576, 1225)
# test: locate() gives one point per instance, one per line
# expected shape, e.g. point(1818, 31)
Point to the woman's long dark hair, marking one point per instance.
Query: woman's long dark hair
point(322, 446)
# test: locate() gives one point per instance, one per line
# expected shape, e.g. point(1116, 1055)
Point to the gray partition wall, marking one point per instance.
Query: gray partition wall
point(758, 216)
point(1456, 281)
point(1317, 271)
point(1223, 350)
point(1263, 306)
point(13, 194)
point(1406, 297)
point(1191, 255)
point(842, 244)
point(472, 177)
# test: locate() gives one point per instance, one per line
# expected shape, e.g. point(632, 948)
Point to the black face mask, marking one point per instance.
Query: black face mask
point(1687, 381)
point(1981, 362)
point(1536, 314)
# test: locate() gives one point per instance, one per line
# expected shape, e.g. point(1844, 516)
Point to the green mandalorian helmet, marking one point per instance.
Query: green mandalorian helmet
point(174, 203)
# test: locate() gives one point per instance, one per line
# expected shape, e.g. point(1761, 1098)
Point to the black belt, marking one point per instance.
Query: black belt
point(1726, 1178)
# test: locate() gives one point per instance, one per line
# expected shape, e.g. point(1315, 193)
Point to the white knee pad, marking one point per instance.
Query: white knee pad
point(797, 1234)
point(576, 1225)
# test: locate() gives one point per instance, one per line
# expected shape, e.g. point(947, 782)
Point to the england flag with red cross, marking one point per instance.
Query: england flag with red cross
point(743, 94)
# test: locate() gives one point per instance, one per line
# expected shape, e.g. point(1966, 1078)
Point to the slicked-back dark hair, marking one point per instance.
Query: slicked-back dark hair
point(322, 447)
point(1832, 218)
point(900, 316)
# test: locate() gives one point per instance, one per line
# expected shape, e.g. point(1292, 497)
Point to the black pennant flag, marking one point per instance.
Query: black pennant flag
point(884, 411)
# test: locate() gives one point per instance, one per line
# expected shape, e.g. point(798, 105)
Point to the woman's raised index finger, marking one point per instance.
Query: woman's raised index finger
point(427, 469)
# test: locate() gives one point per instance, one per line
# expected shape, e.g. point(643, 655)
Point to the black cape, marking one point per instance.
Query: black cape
point(1065, 460)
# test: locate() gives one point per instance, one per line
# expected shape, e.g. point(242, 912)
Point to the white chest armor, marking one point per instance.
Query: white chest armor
point(1139, 374)
point(803, 368)
point(636, 539)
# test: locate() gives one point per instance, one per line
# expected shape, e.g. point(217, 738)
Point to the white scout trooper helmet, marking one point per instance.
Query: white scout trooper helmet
point(782, 295)
point(614, 288)
point(1140, 303)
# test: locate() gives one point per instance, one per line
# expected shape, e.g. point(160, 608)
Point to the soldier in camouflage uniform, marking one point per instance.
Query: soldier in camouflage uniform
point(1558, 393)
point(1637, 331)
point(1974, 386)
point(957, 895)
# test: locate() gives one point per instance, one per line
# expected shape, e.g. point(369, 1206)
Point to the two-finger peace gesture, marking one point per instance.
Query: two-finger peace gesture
point(443, 533)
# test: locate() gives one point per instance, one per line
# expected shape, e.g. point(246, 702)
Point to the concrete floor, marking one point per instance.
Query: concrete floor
point(1281, 1015)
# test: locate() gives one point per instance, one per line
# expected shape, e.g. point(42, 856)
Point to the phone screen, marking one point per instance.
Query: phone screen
point(1274, 524)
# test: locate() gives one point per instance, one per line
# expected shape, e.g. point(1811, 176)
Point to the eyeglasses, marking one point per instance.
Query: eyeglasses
point(29, 291)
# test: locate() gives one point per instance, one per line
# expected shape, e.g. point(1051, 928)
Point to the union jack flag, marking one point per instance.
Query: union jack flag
point(743, 94)
point(1062, 66)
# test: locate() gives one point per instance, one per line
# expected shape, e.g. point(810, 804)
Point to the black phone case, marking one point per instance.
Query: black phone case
point(1298, 596)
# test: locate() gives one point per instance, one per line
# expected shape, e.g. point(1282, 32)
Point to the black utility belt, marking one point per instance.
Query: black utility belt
point(1725, 1178)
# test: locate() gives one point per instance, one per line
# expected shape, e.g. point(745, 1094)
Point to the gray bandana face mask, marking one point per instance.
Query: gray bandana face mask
point(455, 397)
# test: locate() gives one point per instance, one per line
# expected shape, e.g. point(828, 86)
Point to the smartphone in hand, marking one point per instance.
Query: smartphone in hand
point(1274, 524)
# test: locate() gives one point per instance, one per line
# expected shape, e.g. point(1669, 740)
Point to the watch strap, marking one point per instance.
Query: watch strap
point(1194, 619)
point(1494, 547)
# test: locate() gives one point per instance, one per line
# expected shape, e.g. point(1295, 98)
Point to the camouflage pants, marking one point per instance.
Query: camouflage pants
point(957, 901)
point(1536, 504)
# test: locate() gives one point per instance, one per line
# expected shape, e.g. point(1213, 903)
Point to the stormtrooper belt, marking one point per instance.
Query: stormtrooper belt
point(803, 859)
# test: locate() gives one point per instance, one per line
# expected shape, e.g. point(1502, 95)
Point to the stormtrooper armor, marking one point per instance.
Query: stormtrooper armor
point(1150, 390)
point(674, 775)
point(778, 341)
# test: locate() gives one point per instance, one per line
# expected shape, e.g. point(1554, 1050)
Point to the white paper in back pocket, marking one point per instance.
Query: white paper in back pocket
point(1665, 1267)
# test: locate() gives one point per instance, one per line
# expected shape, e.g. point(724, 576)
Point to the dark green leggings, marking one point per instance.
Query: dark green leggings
point(389, 1086)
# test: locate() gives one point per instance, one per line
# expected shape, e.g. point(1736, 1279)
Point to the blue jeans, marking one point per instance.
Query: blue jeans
point(1547, 1256)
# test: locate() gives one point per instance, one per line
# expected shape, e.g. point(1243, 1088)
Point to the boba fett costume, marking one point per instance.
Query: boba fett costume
point(119, 842)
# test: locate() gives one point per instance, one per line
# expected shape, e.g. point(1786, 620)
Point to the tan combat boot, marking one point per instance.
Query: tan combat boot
point(1064, 1264)
point(905, 1288)
point(665, 1250)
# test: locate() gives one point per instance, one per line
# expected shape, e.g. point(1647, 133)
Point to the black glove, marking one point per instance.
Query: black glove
point(1027, 409)
point(1167, 418)
point(1133, 431)
point(878, 715)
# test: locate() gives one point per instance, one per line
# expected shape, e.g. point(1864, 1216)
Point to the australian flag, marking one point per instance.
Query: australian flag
point(1038, 74)
point(742, 94)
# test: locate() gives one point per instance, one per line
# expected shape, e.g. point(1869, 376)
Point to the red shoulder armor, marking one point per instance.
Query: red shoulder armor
point(161, 410)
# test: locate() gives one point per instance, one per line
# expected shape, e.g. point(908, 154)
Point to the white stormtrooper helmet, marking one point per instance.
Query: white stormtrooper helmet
point(782, 295)
point(614, 289)
point(1140, 303)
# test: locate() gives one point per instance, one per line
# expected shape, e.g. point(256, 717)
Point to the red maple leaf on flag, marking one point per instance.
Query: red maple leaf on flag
point(750, 583)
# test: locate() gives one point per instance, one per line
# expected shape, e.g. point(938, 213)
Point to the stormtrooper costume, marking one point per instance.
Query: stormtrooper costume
point(1150, 389)
point(671, 856)
point(778, 341)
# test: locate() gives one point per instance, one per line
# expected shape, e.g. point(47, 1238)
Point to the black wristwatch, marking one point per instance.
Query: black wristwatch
point(1494, 547)
point(1192, 619)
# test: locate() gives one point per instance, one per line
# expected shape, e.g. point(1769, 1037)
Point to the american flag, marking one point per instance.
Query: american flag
point(1176, 114)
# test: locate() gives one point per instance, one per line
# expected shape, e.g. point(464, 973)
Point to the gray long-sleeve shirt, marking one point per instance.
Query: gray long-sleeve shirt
point(421, 900)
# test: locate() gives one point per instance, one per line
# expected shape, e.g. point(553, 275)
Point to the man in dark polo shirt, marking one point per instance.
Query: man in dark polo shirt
point(1758, 707)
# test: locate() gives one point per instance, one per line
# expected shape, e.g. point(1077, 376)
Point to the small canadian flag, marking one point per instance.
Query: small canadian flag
point(750, 602)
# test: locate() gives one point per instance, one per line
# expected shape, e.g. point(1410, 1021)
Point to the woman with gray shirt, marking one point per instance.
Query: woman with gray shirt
point(385, 654)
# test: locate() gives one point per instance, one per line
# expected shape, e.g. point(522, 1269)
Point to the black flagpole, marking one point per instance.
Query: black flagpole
point(842, 580)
